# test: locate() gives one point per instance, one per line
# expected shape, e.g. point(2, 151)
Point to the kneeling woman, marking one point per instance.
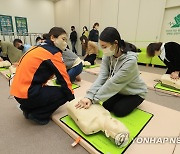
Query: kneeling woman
point(36, 67)
point(169, 53)
point(118, 85)
point(91, 49)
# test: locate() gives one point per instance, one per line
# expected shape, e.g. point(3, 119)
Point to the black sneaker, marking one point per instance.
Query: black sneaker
point(39, 121)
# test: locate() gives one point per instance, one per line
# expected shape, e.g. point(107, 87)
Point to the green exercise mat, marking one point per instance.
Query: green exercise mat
point(74, 86)
point(3, 68)
point(135, 122)
point(166, 88)
point(91, 66)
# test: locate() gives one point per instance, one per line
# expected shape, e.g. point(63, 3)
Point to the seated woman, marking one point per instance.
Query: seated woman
point(73, 64)
point(36, 67)
point(169, 53)
point(91, 49)
point(118, 86)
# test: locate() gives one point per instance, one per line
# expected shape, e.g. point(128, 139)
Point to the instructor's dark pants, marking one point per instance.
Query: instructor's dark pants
point(122, 105)
point(42, 106)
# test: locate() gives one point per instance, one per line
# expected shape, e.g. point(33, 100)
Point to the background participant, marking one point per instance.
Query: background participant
point(169, 53)
point(91, 50)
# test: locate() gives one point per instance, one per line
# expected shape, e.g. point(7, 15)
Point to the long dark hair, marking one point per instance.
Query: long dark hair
point(152, 47)
point(110, 34)
point(85, 28)
point(95, 24)
point(83, 37)
point(55, 31)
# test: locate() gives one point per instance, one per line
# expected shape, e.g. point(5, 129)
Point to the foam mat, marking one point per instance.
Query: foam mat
point(2, 68)
point(92, 66)
point(135, 122)
point(74, 86)
point(160, 86)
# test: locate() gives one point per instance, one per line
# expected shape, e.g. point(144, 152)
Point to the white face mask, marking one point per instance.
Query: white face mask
point(60, 44)
point(108, 52)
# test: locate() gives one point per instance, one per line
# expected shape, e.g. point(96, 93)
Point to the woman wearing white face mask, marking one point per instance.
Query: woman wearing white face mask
point(36, 67)
point(118, 85)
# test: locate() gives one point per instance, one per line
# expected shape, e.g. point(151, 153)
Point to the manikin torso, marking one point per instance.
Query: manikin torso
point(97, 118)
point(166, 80)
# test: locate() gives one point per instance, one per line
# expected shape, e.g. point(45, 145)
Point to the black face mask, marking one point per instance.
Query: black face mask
point(21, 47)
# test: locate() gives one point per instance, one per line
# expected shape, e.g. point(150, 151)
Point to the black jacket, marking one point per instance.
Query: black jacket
point(73, 36)
point(94, 35)
point(172, 50)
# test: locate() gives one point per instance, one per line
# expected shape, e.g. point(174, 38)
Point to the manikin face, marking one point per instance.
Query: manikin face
point(117, 131)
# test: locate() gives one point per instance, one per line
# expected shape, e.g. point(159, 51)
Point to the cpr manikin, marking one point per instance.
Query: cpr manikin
point(96, 118)
point(167, 81)
point(12, 69)
point(5, 64)
point(86, 63)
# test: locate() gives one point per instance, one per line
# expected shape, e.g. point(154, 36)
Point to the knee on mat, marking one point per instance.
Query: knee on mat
point(120, 113)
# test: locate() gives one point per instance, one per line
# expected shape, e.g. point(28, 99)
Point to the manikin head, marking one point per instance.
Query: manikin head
point(115, 130)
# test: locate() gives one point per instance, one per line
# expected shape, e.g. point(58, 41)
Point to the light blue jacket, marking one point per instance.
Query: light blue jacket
point(125, 78)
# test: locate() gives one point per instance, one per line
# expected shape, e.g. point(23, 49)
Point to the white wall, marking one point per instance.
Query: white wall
point(169, 33)
point(138, 21)
point(149, 21)
point(109, 14)
point(67, 15)
point(84, 14)
point(39, 13)
point(172, 3)
point(128, 19)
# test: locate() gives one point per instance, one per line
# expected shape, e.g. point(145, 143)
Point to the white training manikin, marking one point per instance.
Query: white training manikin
point(166, 80)
point(12, 69)
point(96, 118)
point(5, 63)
